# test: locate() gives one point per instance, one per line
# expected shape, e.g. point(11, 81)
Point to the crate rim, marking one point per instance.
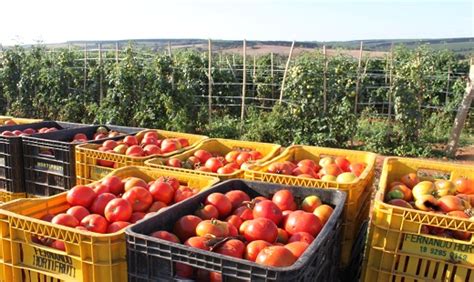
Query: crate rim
point(295, 266)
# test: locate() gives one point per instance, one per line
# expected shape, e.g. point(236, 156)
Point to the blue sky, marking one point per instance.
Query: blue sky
point(26, 21)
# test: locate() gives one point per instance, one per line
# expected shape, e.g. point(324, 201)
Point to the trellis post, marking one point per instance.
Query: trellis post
point(286, 70)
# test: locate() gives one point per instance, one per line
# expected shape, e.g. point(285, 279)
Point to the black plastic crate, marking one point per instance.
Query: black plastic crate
point(153, 259)
point(353, 271)
point(50, 161)
point(11, 154)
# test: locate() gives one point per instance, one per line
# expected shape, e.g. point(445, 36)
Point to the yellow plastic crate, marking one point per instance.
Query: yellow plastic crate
point(88, 256)
point(18, 120)
point(87, 169)
point(6, 196)
point(221, 146)
point(397, 250)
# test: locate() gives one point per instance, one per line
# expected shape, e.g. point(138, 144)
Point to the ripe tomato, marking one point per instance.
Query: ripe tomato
point(213, 227)
point(309, 163)
point(310, 203)
point(243, 157)
point(118, 210)
point(261, 229)
point(95, 223)
point(297, 248)
point(323, 212)
point(165, 235)
point(156, 206)
point(232, 230)
point(301, 221)
point(244, 212)
point(234, 220)
point(170, 180)
point(101, 188)
point(174, 162)
point(301, 237)
point(170, 145)
point(231, 156)
point(117, 226)
point(136, 216)
point(185, 227)
point(59, 245)
point(331, 169)
point(253, 248)
point(451, 203)
point(280, 168)
point(79, 212)
point(460, 235)
point(237, 197)
point(214, 164)
point(255, 155)
point(225, 170)
point(303, 171)
point(151, 149)
point(140, 198)
point(183, 141)
point(131, 182)
point(284, 200)
point(198, 242)
point(130, 140)
point(357, 168)
point(162, 191)
point(99, 203)
point(233, 247)
point(183, 270)
point(215, 276)
point(221, 202)
point(464, 185)
point(135, 151)
point(282, 236)
point(207, 212)
point(243, 226)
point(182, 194)
point(343, 164)
point(276, 256)
point(202, 155)
point(267, 209)
point(81, 195)
point(110, 144)
point(410, 179)
point(65, 219)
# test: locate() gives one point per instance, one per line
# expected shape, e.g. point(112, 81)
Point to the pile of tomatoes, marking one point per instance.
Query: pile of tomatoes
point(140, 145)
point(272, 231)
point(113, 204)
point(338, 169)
point(453, 198)
point(204, 160)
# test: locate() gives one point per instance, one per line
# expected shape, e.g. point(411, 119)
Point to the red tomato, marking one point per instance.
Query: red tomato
point(237, 197)
point(464, 185)
point(253, 248)
point(152, 149)
point(280, 168)
point(131, 182)
point(101, 188)
point(110, 144)
point(357, 168)
point(267, 209)
point(213, 227)
point(221, 202)
point(170, 145)
point(301, 237)
point(117, 226)
point(225, 170)
point(135, 151)
point(79, 212)
point(182, 194)
point(255, 155)
point(297, 248)
point(215, 277)
point(243, 157)
point(244, 212)
point(282, 236)
point(343, 163)
point(243, 226)
point(234, 220)
point(130, 140)
point(81, 195)
point(303, 171)
point(261, 229)
point(284, 200)
point(118, 210)
point(276, 256)
point(165, 235)
point(309, 163)
point(48, 217)
point(185, 227)
point(162, 191)
point(183, 270)
point(233, 247)
point(156, 206)
point(231, 156)
point(183, 141)
point(285, 214)
point(98, 205)
point(232, 230)
point(207, 212)
point(323, 212)
point(301, 221)
point(198, 242)
point(65, 219)
point(202, 155)
point(59, 245)
point(214, 164)
point(331, 169)
point(170, 180)
point(174, 162)
point(95, 223)
point(140, 198)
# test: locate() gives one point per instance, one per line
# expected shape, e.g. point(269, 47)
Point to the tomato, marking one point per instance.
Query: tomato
point(202, 155)
point(162, 191)
point(101, 189)
point(237, 197)
point(406, 192)
point(323, 212)
point(149, 140)
point(253, 248)
point(303, 171)
point(170, 180)
point(213, 227)
point(243, 157)
point(232, 230)
point(444, 188)
point(174, 162)
point(157, 206)
point(170, 145)
point(81, 195)
point(233, 247)
point(215, 277)
point(451, 203)
point(140, 198)
point(226, 170)
point(131, 182)
point(234, 220)
point(301, 237)
point(460, 235)
point(261, 229)
point(99, 203)
point(130, 140)
point(182, 194)
point(422, 188)
point(151, 134)
point(282, 236)
point(297, 248)
point(118, 210)
point(117, 226)
point(183, 270)
point(204, 169)
point(79, 212)
point(198, 242)
point(207, 212)
point(183, 141)
point(255, 155)
point(243, 226)
point(410, 180)
point(231, 156)
point(59, 245)
point(284, 200)
point(244, 212)
point(301, 221)
point(105, 162)
point(426, 203)
point(165, 235)
point(185, 227)
point(135, 151)
point(331, 169)
point(48, 217)
point(278, 256)
point(343, 164)
point(357, 168)
point(95, 223)
point(280, 168)
point(65, 219)
point(151, 149)
point(285, 214)
point(136, 217)
point(214, 164)
point(110, 144)
point(267, 209)
point(464, 185)
point(310, 203)
point(309, 163)
point(235, 166)
point(221, 202)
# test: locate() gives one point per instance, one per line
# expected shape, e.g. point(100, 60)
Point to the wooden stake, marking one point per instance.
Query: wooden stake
point(254, 78)
point(446, 100)
point(286, 70)
point(101, 90)
point(271, 73)
point(390, 78)
point(325, 70)
point(209, 75)
point(244, 82)
point(359, 65)
point(85, 66)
